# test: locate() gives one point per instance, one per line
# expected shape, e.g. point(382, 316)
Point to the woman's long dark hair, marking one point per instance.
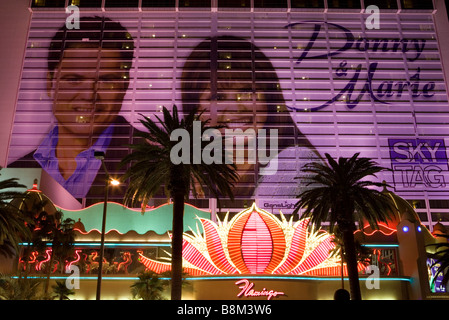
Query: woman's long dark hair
point(228, 63)
point(217, 62)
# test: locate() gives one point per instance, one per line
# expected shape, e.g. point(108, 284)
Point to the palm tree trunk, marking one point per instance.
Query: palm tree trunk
point(342, 268)
point(351, 263)
point(26, 257)
point(178, 228)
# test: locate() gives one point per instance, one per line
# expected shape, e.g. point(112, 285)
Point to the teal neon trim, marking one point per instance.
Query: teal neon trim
point(168, 244)
point(86, 278)
point(298, 278)
point(137, 245)
point(381, 245)
point(123, 219)
point(237, 277)
point(128, 245)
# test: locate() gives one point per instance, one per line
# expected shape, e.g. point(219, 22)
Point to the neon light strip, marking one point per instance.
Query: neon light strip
point(85, 278)
point(121, 244)
point(132, 209)
point(238, 277)
point(137, 245)
point(91, 230)
point(391, 231)
point(292, 278)
point(381, 245)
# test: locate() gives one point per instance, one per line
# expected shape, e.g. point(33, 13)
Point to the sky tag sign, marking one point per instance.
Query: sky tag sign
point(418, 164)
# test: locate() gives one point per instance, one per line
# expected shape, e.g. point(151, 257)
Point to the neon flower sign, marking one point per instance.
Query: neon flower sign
point(255, 242)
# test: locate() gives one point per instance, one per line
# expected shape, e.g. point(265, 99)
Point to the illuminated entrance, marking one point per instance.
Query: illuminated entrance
point(253, 255)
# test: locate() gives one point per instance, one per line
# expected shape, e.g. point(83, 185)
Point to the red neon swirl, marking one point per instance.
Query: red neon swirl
point(47, 254)
point(78, 257)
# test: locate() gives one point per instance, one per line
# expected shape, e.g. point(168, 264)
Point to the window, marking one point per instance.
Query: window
point(234, 3)
point(194, 3)
point(382, 4)
point(416, 4)
point(121, 3)
point(344, 4)
point(48, 3)
point(158, 3)
point(440, 216)
point(87, 3)
point(307, 3)
point(270, 4)
point(439, 204)
point(417, 204)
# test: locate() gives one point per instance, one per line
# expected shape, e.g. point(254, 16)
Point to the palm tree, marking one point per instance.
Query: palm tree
point(12, 222)
point(61, 291)
point(59, 232)
point(338, 251)
point(19, 289)
point(338, 193)
point(168, 275)
point(363, 253)
point(38, 230)
point(149, 286)
point(152, 167)
point(441, 260)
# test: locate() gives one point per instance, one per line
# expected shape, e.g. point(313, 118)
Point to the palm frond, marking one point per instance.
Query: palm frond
point(341, 185)
point(441, 260)
point(151, 169)
point(12, 221)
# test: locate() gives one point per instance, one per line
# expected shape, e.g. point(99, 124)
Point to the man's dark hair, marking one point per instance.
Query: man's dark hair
point(94, 32)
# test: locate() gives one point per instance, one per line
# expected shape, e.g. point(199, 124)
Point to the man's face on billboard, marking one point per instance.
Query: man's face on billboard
point(88, 87)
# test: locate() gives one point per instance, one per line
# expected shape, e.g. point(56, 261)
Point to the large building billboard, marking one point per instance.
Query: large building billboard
point(323, 81)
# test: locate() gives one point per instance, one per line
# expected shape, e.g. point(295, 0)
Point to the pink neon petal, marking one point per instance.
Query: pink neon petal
point(296, 248)
point(192, 255)
point(257, 245)
point(215, 248)
point(318, 256)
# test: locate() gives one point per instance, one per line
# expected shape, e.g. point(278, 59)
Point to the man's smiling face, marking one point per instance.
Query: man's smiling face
point(88, 87)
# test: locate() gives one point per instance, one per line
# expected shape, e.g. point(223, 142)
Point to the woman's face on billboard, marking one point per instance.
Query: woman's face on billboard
point(88, 87)
point(235, 106)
